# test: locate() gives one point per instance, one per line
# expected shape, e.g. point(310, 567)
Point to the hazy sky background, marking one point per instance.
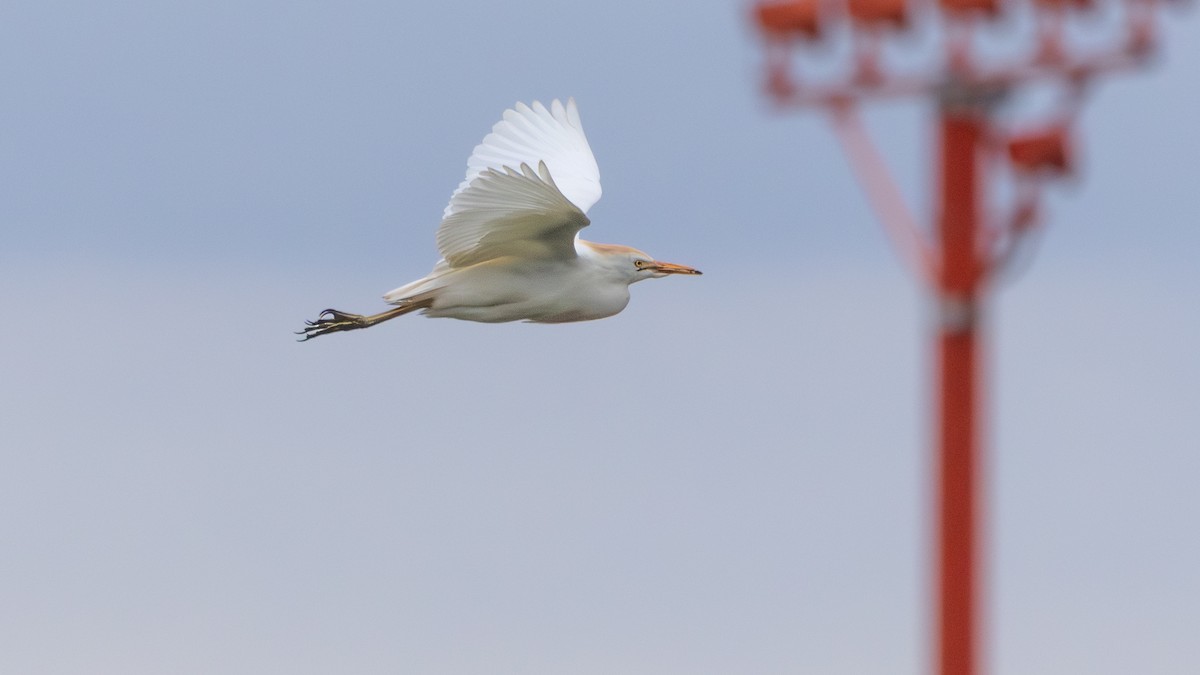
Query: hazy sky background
point(728, 477)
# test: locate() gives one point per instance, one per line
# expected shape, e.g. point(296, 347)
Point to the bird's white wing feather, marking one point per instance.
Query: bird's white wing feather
point(533, 134)
point(505, 212)
point(504, 207)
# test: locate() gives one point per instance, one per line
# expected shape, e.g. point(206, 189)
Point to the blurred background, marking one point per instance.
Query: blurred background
point(729, 476)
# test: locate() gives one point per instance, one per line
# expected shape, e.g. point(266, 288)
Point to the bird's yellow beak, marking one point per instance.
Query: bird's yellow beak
point(671, 268)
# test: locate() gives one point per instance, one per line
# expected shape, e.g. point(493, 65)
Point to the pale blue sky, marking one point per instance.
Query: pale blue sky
point(727, 477)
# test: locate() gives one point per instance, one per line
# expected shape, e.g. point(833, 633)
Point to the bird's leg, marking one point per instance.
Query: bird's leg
point(338, 321)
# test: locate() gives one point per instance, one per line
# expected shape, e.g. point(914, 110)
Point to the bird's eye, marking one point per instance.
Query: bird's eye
point(638, 263)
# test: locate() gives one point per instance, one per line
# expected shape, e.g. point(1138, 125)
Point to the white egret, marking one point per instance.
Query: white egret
point(509, 238)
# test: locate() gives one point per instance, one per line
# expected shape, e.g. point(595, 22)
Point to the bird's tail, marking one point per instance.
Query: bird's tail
point(420, 289)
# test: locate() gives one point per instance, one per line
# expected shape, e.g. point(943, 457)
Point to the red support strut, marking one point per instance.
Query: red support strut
point(958, 384)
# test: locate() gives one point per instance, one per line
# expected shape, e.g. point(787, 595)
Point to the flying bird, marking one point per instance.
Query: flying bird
point(509, 238)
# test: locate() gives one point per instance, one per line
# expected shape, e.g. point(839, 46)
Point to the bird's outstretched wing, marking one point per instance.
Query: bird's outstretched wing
point(506, 206)
point(510, 213)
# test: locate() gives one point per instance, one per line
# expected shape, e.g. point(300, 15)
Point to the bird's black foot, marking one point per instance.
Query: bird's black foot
point(336, 322)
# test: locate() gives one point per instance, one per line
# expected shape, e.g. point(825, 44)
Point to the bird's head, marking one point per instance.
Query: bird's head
point(632, 264)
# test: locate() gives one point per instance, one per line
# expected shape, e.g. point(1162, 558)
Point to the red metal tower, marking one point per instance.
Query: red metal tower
point(971, 239)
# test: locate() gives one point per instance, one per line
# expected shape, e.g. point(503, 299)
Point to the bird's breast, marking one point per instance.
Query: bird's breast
point(579, 293)
point(542, 292)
